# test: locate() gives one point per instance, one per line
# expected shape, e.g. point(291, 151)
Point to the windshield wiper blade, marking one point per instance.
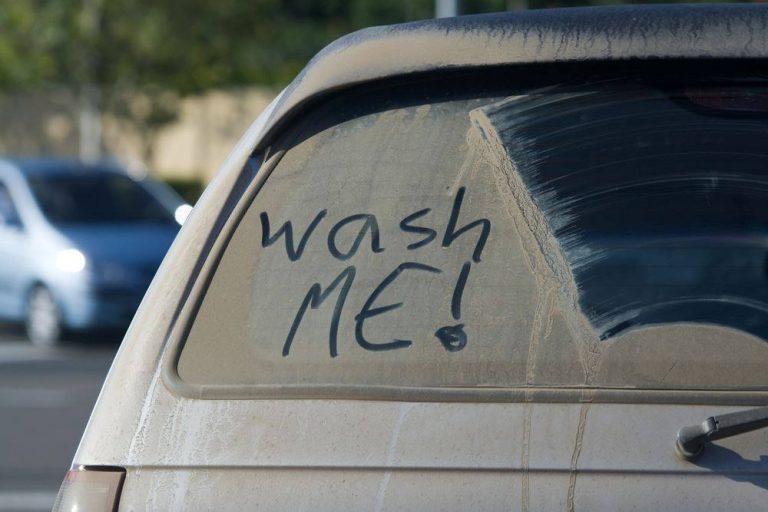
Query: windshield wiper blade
point(691, 440)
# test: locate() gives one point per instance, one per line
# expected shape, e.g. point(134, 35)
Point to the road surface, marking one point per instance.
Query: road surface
point(46, 396)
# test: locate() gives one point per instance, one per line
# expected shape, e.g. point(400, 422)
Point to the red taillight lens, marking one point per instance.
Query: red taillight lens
point(90, 489)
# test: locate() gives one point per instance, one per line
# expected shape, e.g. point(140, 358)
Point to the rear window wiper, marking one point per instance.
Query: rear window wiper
point(692, 439)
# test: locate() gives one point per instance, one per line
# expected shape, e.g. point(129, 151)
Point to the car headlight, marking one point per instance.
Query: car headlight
point(181, 213)
point(70, 260)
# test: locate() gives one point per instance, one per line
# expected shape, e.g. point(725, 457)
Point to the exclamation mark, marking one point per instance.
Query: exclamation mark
point(453, 337)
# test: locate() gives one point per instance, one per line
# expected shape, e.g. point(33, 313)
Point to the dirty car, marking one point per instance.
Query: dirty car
point(489, 263)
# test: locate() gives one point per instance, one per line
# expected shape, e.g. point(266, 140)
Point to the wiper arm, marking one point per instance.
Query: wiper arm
point(691, 440)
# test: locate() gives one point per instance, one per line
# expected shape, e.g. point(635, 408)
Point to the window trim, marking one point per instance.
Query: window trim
point(208, 262)
point(19, 222)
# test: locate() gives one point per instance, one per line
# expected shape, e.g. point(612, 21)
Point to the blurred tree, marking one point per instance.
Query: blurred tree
point(136, 58)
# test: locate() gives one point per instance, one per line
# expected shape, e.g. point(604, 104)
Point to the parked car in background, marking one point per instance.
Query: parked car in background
point(502, 262)
point(79, 244)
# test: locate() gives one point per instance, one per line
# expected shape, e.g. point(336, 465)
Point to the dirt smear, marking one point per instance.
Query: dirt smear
point(556, 285)
point(578, 442)
point(557, 291)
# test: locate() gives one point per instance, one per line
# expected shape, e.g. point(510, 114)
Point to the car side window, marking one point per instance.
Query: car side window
point(9, 216)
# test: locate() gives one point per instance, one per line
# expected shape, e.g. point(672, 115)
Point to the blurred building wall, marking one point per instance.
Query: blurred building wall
point(41, 123)
point(193, 147)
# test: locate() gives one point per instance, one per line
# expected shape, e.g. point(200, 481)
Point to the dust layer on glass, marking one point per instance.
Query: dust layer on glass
point(609, 234)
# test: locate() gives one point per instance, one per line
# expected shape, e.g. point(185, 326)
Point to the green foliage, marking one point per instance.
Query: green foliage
point(33, 35)
point(187, 46)
point(191, 45)
point(143, 55)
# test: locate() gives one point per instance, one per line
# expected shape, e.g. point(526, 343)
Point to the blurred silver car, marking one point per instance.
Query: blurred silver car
point(508, 262)
point(79, 243)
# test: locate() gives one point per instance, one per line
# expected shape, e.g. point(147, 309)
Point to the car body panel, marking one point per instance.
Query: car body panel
point(325, 454)
point(235, 454)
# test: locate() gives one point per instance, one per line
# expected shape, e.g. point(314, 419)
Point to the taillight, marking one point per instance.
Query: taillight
point(90, 489)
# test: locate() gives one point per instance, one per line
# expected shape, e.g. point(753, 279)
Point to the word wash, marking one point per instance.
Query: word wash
point(452, 337)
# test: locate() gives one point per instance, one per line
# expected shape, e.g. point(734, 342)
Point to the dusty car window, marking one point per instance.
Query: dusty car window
point(608, 234)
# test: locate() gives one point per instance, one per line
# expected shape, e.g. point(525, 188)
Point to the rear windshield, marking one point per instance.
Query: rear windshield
point(96, 198)
point(607, 233)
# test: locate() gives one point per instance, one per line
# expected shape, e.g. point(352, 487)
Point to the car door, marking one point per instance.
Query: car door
point(13, 255)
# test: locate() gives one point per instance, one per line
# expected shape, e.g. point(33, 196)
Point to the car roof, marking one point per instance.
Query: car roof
point(587, 34)
point(31, 166)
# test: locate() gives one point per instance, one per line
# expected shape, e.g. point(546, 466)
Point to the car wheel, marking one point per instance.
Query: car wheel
point(43, 318)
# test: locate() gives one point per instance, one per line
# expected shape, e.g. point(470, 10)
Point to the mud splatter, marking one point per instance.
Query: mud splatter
point(405, 409)
point(525, 457)
point(569, 504)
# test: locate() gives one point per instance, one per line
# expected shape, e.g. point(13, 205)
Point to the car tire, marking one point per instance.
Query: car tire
point(42, 318)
